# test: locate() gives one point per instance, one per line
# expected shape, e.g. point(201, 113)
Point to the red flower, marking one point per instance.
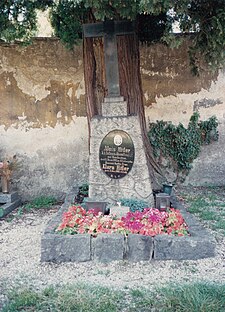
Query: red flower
point(149, 222)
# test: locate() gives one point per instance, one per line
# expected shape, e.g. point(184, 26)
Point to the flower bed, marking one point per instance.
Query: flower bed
point(96, 245)
point(150, 222)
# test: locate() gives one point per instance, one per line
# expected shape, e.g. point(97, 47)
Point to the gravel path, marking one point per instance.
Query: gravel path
point(20, 263)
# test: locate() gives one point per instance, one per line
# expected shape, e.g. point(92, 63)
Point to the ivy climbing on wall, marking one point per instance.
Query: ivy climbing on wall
point(177, 146)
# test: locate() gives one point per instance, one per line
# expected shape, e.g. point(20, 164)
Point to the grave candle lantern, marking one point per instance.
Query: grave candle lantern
point(162, 201)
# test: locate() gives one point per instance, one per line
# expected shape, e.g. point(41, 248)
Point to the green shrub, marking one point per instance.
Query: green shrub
point(83, 189)
point(134, 204)
point(82, 193)
point(182, 145)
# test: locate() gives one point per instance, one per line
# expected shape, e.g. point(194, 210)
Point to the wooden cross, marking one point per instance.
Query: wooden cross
point(109, 30)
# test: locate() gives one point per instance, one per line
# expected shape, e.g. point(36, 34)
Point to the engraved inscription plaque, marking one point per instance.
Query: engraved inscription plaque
point(116, 154)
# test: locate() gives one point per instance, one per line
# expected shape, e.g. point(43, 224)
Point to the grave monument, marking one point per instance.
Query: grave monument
point(118, 165)
point(118, 169)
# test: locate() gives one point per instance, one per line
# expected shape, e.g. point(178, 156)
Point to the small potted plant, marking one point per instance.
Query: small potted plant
point(167, 188)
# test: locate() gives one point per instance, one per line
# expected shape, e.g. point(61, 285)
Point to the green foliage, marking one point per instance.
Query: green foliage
point(104, 9)
point(208, 205)
point(177, 297)
point(205, 20)
point(209, 130)
point(41, 202)
point(181, 144)
point(67, 18)
point(83, 189)
point(134, 203)
point(82, 193)
point(151, 28)
point(18, 19)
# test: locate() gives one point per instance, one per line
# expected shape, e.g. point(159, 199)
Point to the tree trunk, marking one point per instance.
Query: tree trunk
point(130, 88)
point(90, 78)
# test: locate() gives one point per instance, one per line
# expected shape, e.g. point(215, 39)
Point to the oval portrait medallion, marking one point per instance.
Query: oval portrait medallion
point(116, 154)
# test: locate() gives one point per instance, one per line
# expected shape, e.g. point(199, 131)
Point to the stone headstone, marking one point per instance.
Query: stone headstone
point(118, 164)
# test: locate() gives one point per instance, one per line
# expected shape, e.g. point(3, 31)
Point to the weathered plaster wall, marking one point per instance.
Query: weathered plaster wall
point(41, 83)
point(173, 94)
point(52, 161)
point(42, 117)
point(42, 111)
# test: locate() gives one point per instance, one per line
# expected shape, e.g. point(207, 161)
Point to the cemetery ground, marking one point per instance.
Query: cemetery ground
point(26, 284)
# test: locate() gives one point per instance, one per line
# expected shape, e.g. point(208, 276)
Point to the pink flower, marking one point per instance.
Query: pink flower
point(149, 222)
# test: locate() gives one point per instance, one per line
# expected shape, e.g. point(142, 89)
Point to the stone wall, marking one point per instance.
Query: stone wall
point(42, 117)
point(173, 94)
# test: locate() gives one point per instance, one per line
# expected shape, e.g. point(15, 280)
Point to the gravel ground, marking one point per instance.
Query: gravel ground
point(20, 241)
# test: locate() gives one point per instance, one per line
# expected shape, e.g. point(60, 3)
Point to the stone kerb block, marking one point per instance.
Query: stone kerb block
point(108, 247)
point(55, 221)
point(200, 244)
point(139, 248)
point(183, 248)
point(64, 248)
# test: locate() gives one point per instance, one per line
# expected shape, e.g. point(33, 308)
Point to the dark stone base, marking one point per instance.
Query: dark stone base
point(110, 247)
point(11, 201)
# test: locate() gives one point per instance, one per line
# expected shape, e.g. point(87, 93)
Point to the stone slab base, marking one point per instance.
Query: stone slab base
point(110, 247)
point(8, 198)
point(9, 207)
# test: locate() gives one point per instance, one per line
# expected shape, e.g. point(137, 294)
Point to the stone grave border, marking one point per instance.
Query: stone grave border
point(113, 247)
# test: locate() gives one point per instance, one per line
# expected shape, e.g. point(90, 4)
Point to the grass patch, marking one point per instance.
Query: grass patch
point(181, 298)
point(197, 204)
point(192, 298)
point(40, 202)
point(208, 215)
point(67, 299)
point(208, 204)
point(220, 224)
